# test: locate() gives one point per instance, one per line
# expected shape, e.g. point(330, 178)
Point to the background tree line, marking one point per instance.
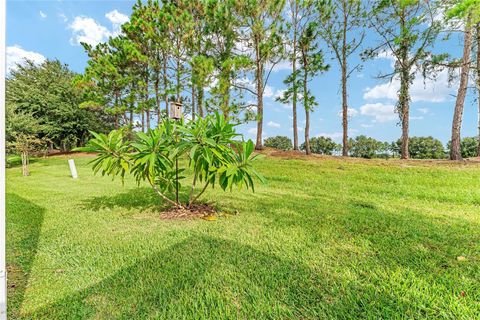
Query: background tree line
point(202, 53)
point(366, 147)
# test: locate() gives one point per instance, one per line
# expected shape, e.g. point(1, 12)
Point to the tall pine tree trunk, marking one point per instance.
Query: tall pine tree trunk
point(147, 107)
point(165, 82)
point(455, 152)
point(193, 101)
point(295, 89)
point(259, 79)
point(200, 102)
point(178, 76)
point(344, 85)
point(404, 110)
point(344, 112)
point(478, 86)
point(157, 99)
point(225, 89)
point(403, 106)
point(307, 131)
point(131, 117)
point(117, 95)
point(306, 102)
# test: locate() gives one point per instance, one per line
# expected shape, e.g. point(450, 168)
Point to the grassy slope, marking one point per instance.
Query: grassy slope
point(324, 239)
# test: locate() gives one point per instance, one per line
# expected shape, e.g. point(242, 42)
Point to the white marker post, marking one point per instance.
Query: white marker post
point(3, 221)
point(73, 169)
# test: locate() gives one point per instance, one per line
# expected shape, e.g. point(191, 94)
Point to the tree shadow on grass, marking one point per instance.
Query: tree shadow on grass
point(399, 231)
point(203, 278)
point(209, 278)
point(141, 198)
point(16, 161)
point(24, 222)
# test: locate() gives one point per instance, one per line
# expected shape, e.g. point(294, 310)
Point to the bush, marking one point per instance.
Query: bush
point(214, 157)
point(279, 142)
point(424, 148)
point(322, 145)
point(468, 146)
point(364, 147)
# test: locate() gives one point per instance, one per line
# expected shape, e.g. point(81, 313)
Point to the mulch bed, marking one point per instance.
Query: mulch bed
point(198, 211)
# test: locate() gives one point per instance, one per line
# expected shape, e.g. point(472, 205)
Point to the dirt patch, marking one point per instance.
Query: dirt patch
point(198, 211)
point(72, 153)
point(55, 153)
point(284, 154)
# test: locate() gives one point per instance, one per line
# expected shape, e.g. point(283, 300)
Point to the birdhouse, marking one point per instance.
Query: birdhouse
point(176, 110)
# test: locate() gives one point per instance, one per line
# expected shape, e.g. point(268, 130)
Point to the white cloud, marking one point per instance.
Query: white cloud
point(386, 90)
point(268, 91)
point(43, 15)
point(281, 66)
point(381, 112)
point(429, 90)
point(364, 125)
point(387, 55)
point(416, 118)
point(332, 135)
point(279, 93)
point(252, 131)
point(420, 90)
point(116, 17)
point(351, 112)
point(63, 17)
point(86, 29)
point(423, 110)
point(17, 55)
point(273, 124)
point(245, 82)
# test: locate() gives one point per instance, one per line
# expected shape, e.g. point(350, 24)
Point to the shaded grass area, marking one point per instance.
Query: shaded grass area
point(325, 238)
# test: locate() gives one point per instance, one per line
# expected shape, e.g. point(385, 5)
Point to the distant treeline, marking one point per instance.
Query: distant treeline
point(367, 147)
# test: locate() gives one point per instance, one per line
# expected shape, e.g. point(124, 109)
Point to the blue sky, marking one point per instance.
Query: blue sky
point(53, 29)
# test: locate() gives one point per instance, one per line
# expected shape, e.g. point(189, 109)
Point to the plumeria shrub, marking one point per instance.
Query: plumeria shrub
point(211, 146)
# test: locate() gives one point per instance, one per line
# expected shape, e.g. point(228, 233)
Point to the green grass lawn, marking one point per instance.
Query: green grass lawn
point(325, 238)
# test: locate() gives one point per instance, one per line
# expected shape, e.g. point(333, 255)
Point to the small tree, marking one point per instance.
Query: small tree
point(364, 147)
point(322, 145)
point(278, 142)
point(22, 135)
point(424, 148)
point(208, 143)
point(468, 147)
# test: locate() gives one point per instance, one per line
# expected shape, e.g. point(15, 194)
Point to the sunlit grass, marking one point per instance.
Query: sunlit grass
point(325, 238)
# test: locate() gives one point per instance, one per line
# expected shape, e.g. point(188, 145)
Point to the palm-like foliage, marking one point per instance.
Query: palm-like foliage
point(208, 143)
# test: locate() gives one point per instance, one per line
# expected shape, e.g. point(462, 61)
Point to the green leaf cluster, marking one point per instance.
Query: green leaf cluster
point(214, 156)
